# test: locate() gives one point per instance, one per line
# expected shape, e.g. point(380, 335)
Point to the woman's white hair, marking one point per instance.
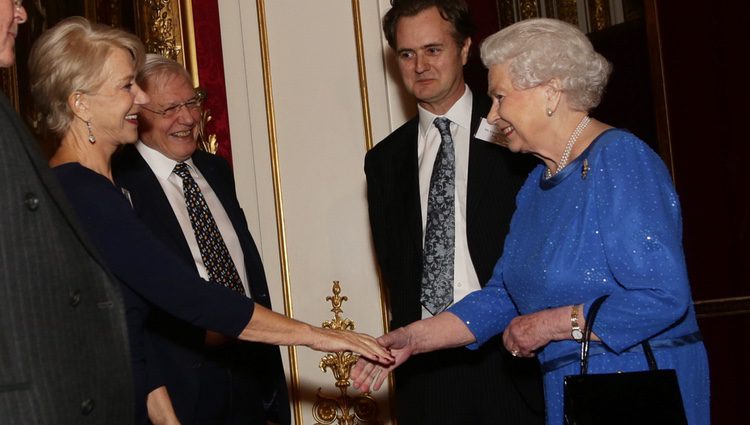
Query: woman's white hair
point(538, 50)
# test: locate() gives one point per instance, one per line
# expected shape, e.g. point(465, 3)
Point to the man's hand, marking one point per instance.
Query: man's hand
point(367, 374)
point(445, 330)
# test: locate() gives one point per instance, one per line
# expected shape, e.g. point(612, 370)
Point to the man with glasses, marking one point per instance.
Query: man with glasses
point(195, 375)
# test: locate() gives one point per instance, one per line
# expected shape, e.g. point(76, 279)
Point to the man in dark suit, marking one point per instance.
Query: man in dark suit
point(208, 379)
point(431, 39)
point(64, 356)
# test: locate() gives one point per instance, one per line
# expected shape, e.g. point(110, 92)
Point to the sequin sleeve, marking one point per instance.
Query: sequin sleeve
point(641, 232)
point(488, 311)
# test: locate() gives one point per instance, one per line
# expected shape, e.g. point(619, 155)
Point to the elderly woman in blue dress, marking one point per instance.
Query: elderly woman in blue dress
point(598, 216)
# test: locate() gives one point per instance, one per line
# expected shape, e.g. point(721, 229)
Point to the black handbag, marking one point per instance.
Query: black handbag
point(647, 397)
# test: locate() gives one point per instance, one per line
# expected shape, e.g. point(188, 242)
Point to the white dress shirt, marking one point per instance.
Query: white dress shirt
point(465, 278)
point(171, 183)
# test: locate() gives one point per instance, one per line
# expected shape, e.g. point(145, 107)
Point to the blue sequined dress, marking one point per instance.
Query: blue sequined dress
point(608, 223)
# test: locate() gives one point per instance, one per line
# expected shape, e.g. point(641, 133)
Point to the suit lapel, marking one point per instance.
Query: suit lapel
point(408, 173)
point(220, 186)
point(149, 200)
point(217, 175)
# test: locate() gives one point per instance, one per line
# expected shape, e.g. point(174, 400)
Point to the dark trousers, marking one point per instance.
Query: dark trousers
point(460, 386)
point(227, 398)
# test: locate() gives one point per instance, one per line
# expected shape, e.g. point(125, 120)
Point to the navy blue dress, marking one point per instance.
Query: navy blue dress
point(608, 223)
point(150, 274)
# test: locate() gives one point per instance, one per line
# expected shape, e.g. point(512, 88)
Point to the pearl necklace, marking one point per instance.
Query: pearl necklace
point(569, 147)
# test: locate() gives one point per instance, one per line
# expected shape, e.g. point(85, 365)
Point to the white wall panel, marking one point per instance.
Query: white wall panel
point(320, 140)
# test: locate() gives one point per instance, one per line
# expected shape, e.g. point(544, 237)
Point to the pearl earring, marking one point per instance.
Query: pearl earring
point(550, 112)
point(92, 138)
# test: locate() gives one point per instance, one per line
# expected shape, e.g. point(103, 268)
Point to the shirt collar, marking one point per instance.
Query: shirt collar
point(161, 165)
point(459, 113)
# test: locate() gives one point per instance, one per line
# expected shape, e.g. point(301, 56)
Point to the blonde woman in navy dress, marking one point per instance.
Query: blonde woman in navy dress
point(598, 216)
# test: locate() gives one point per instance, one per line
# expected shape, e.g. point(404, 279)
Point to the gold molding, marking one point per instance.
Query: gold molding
point(278, 201)
point(166, 27)
point(367, 122)
point(659, 86)
point(362, 72)
point(190, 53)
point(366, 119)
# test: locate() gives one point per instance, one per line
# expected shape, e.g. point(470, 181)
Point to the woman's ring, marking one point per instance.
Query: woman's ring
point(514, 353)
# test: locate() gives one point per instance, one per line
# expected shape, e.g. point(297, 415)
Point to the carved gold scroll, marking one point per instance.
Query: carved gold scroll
point(342, 409)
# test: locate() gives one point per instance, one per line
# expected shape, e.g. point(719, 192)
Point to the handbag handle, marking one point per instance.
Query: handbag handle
point(593, 310)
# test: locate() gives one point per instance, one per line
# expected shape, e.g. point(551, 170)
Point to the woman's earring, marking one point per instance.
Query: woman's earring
point(92, 138)
point(550, 112)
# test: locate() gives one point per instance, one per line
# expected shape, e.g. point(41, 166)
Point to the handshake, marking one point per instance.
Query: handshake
point(368, 374)
point(524, 336)
point(442, 331)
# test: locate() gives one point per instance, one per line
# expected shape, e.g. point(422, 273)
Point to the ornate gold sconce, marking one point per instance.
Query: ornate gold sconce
point(161, 35)
point(342, 410)
point(206, 142)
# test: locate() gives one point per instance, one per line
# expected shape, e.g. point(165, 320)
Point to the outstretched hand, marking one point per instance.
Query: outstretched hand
point(367, 374)
point(331, 340)
point(445, 330)
point(270, 327)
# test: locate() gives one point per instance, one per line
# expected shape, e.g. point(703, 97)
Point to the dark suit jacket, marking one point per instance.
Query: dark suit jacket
point(495, 175)
point(180, 345)
point(64, 356)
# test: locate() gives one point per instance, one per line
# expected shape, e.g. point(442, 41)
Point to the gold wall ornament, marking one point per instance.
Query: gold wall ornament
point(599, 12)
point(344, 409)
point(206, 142)
point(529, 9)
point(161, 34)
point(588, 15)
point(567, 10)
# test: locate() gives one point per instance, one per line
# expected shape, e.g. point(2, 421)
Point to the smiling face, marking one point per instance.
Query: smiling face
point(430, 61)
point(174, 136)
point(10, 17)
point(517, 113)
point(115, 106)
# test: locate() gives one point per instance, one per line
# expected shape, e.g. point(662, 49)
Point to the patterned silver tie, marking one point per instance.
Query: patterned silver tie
point(440, 231)
point(213, 250)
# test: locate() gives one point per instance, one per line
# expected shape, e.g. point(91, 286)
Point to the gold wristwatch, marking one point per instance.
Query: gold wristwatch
point(575, 328)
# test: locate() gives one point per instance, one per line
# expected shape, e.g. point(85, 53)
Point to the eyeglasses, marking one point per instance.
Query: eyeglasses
point(192, 104)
